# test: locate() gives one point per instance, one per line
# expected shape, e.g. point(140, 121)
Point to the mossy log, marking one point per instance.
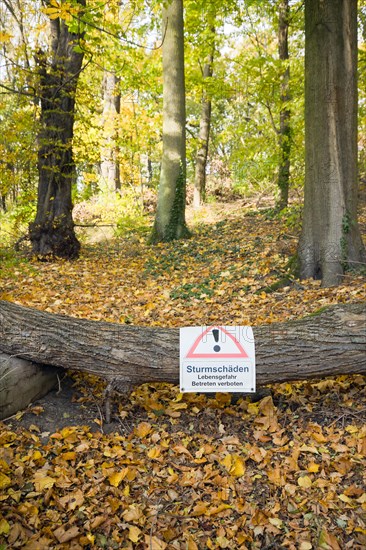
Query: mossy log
point(332, 342)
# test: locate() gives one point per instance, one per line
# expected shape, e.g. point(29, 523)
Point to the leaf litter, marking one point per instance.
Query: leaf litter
point(193, 471)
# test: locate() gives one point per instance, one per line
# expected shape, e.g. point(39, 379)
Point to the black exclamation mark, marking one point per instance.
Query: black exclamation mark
point(215, 333)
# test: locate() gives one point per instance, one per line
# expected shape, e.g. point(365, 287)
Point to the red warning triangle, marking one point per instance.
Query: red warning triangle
point(194, 353)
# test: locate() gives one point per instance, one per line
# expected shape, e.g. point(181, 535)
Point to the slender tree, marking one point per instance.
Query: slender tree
point(284, 134)
point(199, 192)
point(330, 241)
point(170, 215)
point(52, 232)
point(109, 166)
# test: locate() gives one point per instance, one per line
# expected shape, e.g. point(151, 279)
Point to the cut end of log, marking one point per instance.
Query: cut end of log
point(22, 382)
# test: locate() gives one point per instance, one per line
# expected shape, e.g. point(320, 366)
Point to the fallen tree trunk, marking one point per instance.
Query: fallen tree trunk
point(329, 343)
point(22, 382)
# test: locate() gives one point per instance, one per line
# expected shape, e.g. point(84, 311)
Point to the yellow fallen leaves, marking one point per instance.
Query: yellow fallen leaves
point(205, 509)
point(319, 437)
point(154, 543)
point(72, 501)
point(117, 477)
point(305, 482)
point(234, 464)
point(85, 540)
point(345, 498)
point(132, 490)
point(309, 449)
point(313, 467)
point(277, 522)
point(154, 452)
point(64, 534)
point(69, 455)
point(327, 541)
point(134, 533)
point(276, 475)
point(36, 455)
point(133, 513)
point(4, 527)
point(154, 284)
point(43, 481)
point(343, 465)
point(143, 429)
point(5, 481)
point(181, 449)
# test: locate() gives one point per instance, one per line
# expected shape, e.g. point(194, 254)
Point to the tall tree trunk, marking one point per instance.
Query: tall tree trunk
point(52, 232)
point(199, 192)
point(110, 169)
point(285, 127)
point(170, 215)
point(330, 241)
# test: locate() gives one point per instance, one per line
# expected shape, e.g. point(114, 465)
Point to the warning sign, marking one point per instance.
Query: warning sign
point(217, 359)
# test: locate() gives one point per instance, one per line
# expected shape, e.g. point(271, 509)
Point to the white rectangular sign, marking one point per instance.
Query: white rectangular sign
point(217, 359)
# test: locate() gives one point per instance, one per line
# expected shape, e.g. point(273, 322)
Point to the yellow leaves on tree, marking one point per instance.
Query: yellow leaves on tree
point(61, 10)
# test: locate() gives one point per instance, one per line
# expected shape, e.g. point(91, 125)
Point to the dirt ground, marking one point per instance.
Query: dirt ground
point(79, 401)
point(61, 407)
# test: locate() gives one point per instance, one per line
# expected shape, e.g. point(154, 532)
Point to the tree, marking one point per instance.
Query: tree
point(330, 241)
point(199, 193)
point(110, 166)
point(204, 21)
point(52, 232)
point(170, 215)
point(326, 344)
point(284, 134)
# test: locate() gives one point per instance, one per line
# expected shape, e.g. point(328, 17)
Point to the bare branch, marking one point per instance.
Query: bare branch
point(14, 91)
point(117, 36)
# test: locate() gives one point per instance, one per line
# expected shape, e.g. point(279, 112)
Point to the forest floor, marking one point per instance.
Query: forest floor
point(192, 471)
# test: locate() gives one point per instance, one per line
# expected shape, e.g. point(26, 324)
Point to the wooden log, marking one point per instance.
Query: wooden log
point(22, 382)
point(329, 343)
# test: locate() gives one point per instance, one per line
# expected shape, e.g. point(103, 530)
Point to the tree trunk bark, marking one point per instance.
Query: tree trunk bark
point(325, 344)
point(52, 232)
point(199, 192)
point(285, 115)
point(170, 215)
point(109, 166)
point(330, 241)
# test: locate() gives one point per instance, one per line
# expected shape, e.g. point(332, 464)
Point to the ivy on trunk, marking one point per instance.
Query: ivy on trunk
point(170, 214)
